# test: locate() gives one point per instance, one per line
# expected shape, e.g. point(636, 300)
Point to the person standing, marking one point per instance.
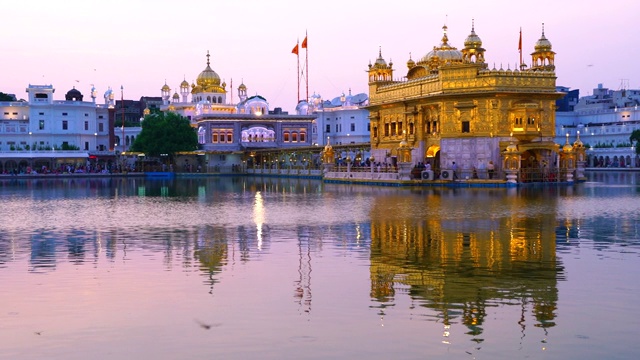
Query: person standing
point(454, 167)
point(490, 169)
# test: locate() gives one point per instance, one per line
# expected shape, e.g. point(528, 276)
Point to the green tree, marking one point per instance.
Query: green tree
point(635, 136)
point(6, 97)
point(165, 133)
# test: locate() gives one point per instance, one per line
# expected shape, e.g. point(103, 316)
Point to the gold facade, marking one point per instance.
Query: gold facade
point(453, 107)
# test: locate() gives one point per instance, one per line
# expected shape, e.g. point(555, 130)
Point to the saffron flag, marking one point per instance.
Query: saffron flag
point(520, 41)
point(304, 43)
point(295, 50)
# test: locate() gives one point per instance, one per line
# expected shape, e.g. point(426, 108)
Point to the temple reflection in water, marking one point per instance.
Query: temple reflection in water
point(459, 266)
point(436, 248)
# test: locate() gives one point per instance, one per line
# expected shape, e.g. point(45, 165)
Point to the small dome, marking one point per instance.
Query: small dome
point(184, 84)
point(473, 41)
point(380, 62)
point(176, 96)
point(242, 87)
point(578, 143)
point(166, 88)
point(543, 44)
point(302, 108)
point(410, 63)
point(73, 95)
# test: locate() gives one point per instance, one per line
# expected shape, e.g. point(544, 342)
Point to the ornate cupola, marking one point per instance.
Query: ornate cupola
point(410, 62)
point(542, 58)
point(380, 71)
point(166, 92)
point(242, 92)
point(184, 90)
point(473, 51)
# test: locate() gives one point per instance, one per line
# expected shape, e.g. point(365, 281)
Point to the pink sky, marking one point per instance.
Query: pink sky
point(138, 44)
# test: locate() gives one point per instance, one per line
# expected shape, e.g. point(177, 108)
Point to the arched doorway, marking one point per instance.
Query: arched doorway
point(11, 166)
point(432, 157)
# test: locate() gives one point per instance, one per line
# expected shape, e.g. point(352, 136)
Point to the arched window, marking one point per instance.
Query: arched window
point(294, 137)
point(303, 136)
point(219, 99)
point(286, 136)
point(201, 135)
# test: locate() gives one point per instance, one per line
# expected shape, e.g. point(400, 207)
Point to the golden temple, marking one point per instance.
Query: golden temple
point(452, 108)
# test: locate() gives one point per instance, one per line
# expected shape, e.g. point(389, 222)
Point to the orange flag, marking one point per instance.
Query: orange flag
point(295, 50)
point(520, 40)
point(304, 43)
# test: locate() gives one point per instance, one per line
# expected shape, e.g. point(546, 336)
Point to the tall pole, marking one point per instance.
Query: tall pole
point(298, 57)
point(520, 48)
point(122, 109)
point(306, 63)
point(296, 50)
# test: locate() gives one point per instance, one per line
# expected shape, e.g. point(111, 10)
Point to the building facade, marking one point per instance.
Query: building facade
point(46, 134)
point(604, 122)
point(452, 107)
point(343, 119)
point(230, 132)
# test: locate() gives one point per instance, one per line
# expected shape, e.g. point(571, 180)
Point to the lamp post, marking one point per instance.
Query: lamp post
point(122, 109)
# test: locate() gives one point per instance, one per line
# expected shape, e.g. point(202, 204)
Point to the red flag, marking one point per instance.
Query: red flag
point(520, 41)
point(304, 43)
point(295, 50)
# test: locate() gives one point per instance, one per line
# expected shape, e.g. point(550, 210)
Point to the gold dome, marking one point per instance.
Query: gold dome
point(543, 44)
point(166, 88)
point(208, 80)
point(176, 96)
point(410, 62)
point(578, 143)
point(473, 41)
point(184, 84)
point(442, 54)
point(380, 63)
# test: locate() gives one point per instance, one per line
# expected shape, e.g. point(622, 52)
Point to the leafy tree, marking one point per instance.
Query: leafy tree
point(635, 136)
point(165, 133)
point(6, 97)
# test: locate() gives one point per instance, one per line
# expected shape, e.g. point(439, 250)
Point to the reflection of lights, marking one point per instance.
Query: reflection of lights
point(258, 217)
point(446, 334)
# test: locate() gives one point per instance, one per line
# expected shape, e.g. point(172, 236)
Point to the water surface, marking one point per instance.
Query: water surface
point(266, 268)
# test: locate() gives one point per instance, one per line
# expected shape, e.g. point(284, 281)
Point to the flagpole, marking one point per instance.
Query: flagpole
point(520, 48)
point(306, 66)
point(298, 73)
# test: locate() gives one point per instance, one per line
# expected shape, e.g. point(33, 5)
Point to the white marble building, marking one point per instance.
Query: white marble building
point(604, 122)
